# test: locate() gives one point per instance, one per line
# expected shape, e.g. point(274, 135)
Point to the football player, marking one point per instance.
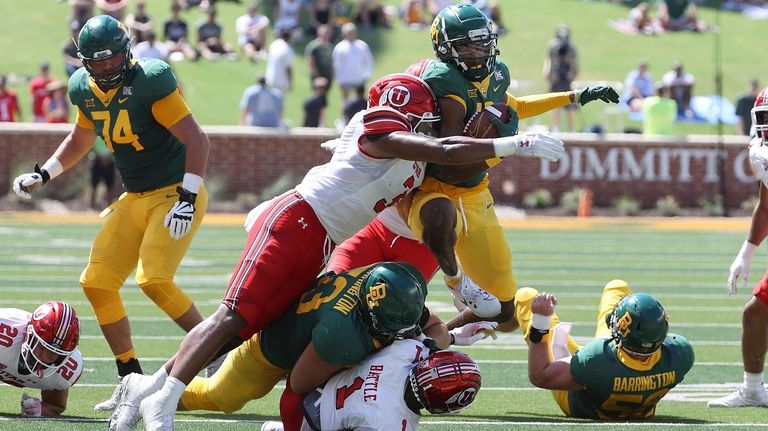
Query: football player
point(338, 322)
point(453, 205)
point(379, 158)
point(161, 153)
point(754, 336)
point(388, 390)
point(39, 350)
point(621, 375)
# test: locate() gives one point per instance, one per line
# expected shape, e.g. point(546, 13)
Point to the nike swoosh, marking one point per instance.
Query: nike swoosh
point(496, 88)
point(122, 100)
point(489, 205)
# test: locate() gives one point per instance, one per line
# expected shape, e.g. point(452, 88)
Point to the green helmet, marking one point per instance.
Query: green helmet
point(463, 36)
point(102, 38)
point(392, 299)
point(639, 323)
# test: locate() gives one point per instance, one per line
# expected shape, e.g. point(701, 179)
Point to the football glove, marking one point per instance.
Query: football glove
point(473, 332)
point(541, 145)
point(25, 184)
point(180, 216)
point(740, 267)
point(31, 406)
point(599, 92)
point(510, 128)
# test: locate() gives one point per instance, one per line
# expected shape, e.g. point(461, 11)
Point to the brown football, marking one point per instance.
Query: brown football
point(480, 125)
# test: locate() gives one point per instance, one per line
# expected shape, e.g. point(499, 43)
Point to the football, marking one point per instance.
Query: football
point(480, 125)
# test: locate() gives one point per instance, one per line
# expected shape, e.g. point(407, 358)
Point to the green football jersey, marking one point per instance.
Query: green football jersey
point(613, 390)
point(326, 315)
point(446, 81)
point(147, 155)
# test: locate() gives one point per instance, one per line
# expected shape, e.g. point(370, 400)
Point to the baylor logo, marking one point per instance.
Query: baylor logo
point(375, 294)
point(624, 322)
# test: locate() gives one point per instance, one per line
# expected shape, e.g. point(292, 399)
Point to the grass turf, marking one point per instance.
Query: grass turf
point(685, 267)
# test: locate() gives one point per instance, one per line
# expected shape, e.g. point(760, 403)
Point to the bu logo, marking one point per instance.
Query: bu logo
point(397, 96)
point(376, 293)
point(624, 322)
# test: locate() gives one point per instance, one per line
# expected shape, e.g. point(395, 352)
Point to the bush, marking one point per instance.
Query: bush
point(713, 205)
point(668, 206)
point(627, 206)
point(280, 186)
point(749, 204)
point(569, 201)
point(539, 198)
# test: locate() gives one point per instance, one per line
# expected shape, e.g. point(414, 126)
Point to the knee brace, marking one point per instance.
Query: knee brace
point(168, 297)
point(106, 303)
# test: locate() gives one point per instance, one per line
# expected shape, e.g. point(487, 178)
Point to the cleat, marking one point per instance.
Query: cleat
point(157, 412)
point(133, 389)
point(742, 398)
point(272, 426)
point(111, 403)
point(482, 303)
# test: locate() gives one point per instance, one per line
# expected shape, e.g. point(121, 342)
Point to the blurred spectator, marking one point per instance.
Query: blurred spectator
point(435, 6)
point(637, 86)
point(640, 17)
point(322, 14)
point(80, 11)
point(39, 93)
point(353, 106)
point(176, 35)
point(352, 61)
point(69, 50)
point(744, 106)
point(151, 48)
point(492, 10)
point(314, 106)
point(679, 15)
point(102, 170)
point(287, 15)
point(370, 13)
point(279, 72)
point(209, 42)
point(659, 113)
point(56, 105)
point(319, 55)
point(261, 106)
point(9, 105)
point(139, 23)
point(252, 32)
point(560, 68)
point(680, 85)
point(113, 8)
point(414, 14)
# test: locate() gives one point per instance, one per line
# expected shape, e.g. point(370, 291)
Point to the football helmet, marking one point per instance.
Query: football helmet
point(445, 382)
point(760, 116)
point(411, 96)
point(463, 36)
point(56, 329)
point(392, 300)
point(638, 323)
point(102, 39)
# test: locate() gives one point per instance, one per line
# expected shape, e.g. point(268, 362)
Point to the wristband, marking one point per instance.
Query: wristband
point(536, 335)
point(453, 339)
point(505, 146)
point(53, 167)
point(747, 250)
point(540, 322)
point(192, 182)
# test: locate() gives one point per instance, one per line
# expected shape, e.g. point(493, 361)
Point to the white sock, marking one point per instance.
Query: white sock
point(174, 388)
point(753, 381)
point(158, 379)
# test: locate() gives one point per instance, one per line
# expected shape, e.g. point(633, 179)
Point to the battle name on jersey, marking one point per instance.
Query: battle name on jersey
point(644, 383)
point(371, 385)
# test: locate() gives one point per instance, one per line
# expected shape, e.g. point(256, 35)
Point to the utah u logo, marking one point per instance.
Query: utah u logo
point(396, 97)
point(624, 322)
point(376, 293)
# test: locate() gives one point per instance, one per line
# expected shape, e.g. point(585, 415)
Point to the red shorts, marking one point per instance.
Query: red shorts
point(286, 250)
point(761, 290)
point(375, 243)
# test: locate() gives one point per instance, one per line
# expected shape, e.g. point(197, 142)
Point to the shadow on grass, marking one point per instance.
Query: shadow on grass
point(548, 418)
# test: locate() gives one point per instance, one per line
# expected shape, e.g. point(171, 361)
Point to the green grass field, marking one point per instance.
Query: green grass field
point(38, 28)
point(684, 263)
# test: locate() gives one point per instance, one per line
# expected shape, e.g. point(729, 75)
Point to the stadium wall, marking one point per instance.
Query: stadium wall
point(247, 159)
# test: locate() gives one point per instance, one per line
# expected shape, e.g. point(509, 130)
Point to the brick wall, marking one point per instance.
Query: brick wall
point(249, 159)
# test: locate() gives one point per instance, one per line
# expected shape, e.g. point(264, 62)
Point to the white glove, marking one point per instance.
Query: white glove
point(179, 218)
point(473, 332)
point(758, 157)
point(740, 267)
point(541, 145)
point(31, 406)
point(25, 184)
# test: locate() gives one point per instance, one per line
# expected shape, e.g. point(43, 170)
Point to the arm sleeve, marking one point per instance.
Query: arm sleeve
point(530, 106)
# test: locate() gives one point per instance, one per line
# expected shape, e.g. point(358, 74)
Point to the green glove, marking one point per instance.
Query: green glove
point(605, 93)
point(509, 128)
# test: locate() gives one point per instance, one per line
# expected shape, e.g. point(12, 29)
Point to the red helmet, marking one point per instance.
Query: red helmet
point(760, 115)
point(445, 382)
point(55, 327)
point(411, 96)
